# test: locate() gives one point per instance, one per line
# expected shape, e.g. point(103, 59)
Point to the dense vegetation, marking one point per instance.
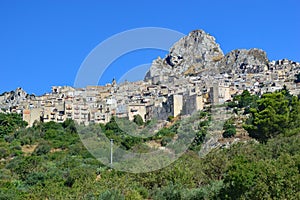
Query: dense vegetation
point(274, 114)
point(49, 161)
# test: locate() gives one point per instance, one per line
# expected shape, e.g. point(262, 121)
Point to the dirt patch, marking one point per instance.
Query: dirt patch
point(55, 150)
point(28, 149)
point(153, 144)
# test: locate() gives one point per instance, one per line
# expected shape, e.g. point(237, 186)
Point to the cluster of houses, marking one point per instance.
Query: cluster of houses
point(172, 96)
point(97, 104)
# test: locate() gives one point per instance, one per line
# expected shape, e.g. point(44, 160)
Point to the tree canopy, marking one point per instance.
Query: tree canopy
point(276, 113)
point(10, 123)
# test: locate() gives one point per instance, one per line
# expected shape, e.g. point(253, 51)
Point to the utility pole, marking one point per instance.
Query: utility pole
point(111, 152)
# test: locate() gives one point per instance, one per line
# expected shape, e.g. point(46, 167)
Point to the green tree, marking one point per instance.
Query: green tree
point(270, 118)
point(10, 123)
point(229, 129)
point(112, 125)
point(69, 125)
point(138, 120)
point(294, 125)
point(246, 99)
point(42, 148)
point(265, 179)
point(200, 135)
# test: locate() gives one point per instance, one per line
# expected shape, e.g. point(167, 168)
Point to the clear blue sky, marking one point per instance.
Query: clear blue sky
point(43, 42)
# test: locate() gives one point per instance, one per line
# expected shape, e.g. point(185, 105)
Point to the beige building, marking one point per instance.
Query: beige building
point(137, 109)
point(174, 104)
point(32, 115)
point(224, 94)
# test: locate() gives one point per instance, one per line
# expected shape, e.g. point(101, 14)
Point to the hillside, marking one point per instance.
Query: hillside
point(49, 160)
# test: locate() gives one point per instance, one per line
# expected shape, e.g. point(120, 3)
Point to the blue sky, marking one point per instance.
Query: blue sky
point(43, 43)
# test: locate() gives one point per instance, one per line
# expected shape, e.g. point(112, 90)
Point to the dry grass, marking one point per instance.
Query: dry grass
point(28, 149)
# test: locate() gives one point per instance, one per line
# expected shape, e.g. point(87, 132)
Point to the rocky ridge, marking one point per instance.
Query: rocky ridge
point(244, 61)
point(198, 54)
point(190, 54)
point(14, 98)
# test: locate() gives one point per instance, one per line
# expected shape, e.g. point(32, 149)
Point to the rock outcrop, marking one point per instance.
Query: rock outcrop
point(244, 61)
point(14, 98)
point(198, 53)
point(190, 55)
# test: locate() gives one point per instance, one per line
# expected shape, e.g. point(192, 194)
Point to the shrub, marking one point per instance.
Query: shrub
point(165, 141)
point(42, 148)
point(3, 152)
point(138, 120)
point(169, 192)
point(229, 129)
point(133, 195)
point(170, 118)
point(229, 132)
point(111, 194)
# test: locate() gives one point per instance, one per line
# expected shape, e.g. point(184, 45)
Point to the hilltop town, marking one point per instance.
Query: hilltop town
point(194, 75)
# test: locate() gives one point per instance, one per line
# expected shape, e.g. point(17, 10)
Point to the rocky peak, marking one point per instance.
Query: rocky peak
point(190, 55)
point(198, 53)
point(14, 98)
point(244, 61)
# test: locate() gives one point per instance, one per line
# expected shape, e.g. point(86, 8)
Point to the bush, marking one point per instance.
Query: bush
point(170, 118)
point(9, 138)
point(172, 192)
point(165, 141)
point(9, 123)
point(69, 126)
point(229, 129)
point(210, 191)
point(138, 120)
point(111, 194)
point(133, 195)
point(35, 178)
point(228, 133)
point(268, 179)
point(42, 148)
point(3, 152)
point(143, 192)
point(164, 132)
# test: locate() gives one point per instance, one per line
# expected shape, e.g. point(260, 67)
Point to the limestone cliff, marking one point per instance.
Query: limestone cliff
point(198, 53)
point(244, 61)
point(190, 55)
point(14, 98)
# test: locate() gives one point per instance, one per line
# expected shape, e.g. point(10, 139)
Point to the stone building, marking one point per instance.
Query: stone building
point(137, 109)
point(32, 115)
point(192, 103)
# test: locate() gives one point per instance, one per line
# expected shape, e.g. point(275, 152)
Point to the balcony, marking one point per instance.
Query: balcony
point(60, 119)
point(84, 112)
point(84, 108)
